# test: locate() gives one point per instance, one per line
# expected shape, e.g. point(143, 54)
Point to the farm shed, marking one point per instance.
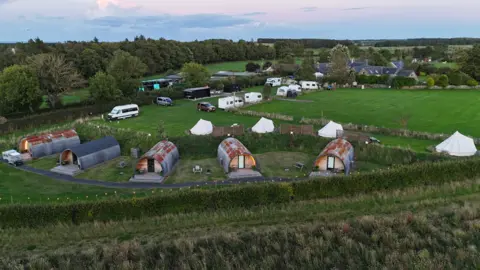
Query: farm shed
point(160, 159)
point(48, 143)
point(330, 130)
point(336, 156)
point(92, 153)
point(233, 155)
point(457, 145)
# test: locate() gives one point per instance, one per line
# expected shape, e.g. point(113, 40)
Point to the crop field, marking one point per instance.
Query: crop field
point(426, 227)
point(430, 111)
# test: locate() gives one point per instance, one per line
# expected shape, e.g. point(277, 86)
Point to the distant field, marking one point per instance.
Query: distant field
point(431, 111)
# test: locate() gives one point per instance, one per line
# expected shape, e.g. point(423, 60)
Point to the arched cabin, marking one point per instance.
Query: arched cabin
point(337, 156)
point(47, 144)
point(233, 155)
point(160, 159)
point(92, 153)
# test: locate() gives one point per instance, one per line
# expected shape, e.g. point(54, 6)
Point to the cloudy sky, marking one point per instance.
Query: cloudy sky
point(60, 20)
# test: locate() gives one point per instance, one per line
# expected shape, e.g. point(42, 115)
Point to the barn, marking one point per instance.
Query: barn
point(336, 157)
point(159, 161)
point(234, 156)
point(46, 144)
point(90, 154)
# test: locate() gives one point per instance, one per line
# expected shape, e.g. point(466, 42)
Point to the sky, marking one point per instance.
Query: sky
point(186, 20)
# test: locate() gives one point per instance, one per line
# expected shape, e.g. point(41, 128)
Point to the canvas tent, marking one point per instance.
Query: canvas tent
point(330, 130)
point(263, 125)
point(202, 127)
point(457, 145)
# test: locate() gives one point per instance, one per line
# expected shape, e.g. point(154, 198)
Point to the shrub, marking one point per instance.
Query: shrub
point(430, 82)
point(443, 81)
point(399, 82)
point(472, 83)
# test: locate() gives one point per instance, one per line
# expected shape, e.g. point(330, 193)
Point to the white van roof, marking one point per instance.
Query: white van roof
point(125, 106)
point(8, 152)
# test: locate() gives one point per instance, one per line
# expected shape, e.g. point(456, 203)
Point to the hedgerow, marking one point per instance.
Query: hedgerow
point(427, 173)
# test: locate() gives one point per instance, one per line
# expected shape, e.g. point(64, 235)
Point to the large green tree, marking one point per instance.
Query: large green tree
point(470, 62)
point(89, 63)
point(195, 74)
point(127, 70)
point(103, 87)
point(339, 70)
point(19, 90)
point(307, 69)
point(55, 75)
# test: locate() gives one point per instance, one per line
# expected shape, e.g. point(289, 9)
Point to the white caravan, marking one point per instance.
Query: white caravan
point(309, 85)
point(124, 111)
point(295, 87)
point(230, 102)
point(253, 97)
point(282, 91)
point(274, 81)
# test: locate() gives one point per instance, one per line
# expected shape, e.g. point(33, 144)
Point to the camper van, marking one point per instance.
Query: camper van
point(230, 102)
point(124, 111)
point(295, 87)
point(12, 157)
point(253, 97)
point(309, 85)
point(274, 81)
point(282, 91)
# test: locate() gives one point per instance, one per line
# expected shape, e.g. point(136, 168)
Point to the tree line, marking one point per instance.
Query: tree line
point(311, 43)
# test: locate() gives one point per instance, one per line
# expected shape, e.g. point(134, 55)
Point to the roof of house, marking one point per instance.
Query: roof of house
point(398, 64)
point(405, 72)
point(196, 88)
point(389, 71)
point(174, 77)
point(94, 146)
point(372, 70)
point(322, 67)
point(358, 63)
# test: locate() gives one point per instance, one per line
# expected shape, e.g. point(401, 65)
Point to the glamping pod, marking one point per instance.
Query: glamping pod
point(92, 153)
point(161, 159)
point(233, 156)
point(336, 156)
point(48, 143)
point(457, 145)
point(330, 130)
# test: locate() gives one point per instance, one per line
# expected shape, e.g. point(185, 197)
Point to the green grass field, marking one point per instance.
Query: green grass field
point(431, 111)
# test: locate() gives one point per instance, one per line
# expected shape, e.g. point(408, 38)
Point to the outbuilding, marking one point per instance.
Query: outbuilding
point(198, 92)
point(233, 156)
point(92, 153)
point(158, 162)
point(336, 157)
point(48, 143)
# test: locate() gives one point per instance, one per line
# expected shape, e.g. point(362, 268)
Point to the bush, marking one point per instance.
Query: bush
point(430, 82)
point(252, 67)
point(367, 79)
point(472, 83)
point(443, 81)
point(458, 78)
point(399, 82)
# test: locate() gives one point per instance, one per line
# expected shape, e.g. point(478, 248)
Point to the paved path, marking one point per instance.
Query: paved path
point(67, 178)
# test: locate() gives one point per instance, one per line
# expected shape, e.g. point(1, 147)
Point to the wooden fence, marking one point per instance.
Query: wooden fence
point(301, 129)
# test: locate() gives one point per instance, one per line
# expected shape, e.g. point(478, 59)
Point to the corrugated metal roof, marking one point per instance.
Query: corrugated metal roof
point(48, 137)
point(340, 148)
point(234, 147)
point(94, 146)
point(160, 151)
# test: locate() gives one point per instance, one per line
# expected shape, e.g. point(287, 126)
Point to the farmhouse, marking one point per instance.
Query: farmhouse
point(330, 130)
point(157, 163)
point(48, 143)
point(202, 127)
point(235, 158)
point(263, 125)
point(87, 155)
point(457, 145)
point(336, 157)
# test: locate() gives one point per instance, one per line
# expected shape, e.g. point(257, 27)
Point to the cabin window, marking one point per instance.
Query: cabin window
point(259, 96)
point(330, 163)
point(308, 84)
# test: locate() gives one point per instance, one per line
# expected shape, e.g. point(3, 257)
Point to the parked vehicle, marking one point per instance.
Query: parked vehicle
point(12, 157)
point(282, 91)
point(123, 112)
point(206, 107)
point(274, 81)
point(230, 102)
point(229, 88)
point(295, 87)
point(309, 85)
point(253, 97)
point(165, 101)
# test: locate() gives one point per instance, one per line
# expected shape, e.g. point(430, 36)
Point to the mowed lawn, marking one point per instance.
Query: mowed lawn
point(431, 111)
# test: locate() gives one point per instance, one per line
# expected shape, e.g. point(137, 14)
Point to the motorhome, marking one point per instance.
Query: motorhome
point(295, 87)
point(253, 97)
point(123, 112)
point(230, 102)
point(274, 81)
point(309, 85)
point(282, 91)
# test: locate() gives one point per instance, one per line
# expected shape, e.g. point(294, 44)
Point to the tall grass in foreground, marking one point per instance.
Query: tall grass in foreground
point(443, 239)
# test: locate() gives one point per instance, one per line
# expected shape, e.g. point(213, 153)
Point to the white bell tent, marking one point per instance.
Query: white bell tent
point(202, 127)
point(330, 130)
point(263, 125)
point(457, 145)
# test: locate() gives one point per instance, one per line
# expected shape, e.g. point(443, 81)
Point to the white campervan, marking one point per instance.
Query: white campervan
point(253, 97)
point(309, 85)
point(282, 91)
point(230, 102)
point(274, 81)
point(295, 87)
point(124, 111)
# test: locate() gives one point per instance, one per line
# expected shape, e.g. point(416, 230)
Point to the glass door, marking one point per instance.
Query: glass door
point(241, 162)
point(330, 163)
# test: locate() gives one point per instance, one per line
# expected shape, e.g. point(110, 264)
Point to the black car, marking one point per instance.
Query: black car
point(16, 163)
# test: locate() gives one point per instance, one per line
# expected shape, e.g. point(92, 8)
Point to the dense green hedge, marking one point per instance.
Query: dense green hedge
point(240, 196)
point(399, 82)
point(367, 79)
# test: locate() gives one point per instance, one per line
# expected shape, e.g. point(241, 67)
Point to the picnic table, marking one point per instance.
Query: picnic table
point(299, 165)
